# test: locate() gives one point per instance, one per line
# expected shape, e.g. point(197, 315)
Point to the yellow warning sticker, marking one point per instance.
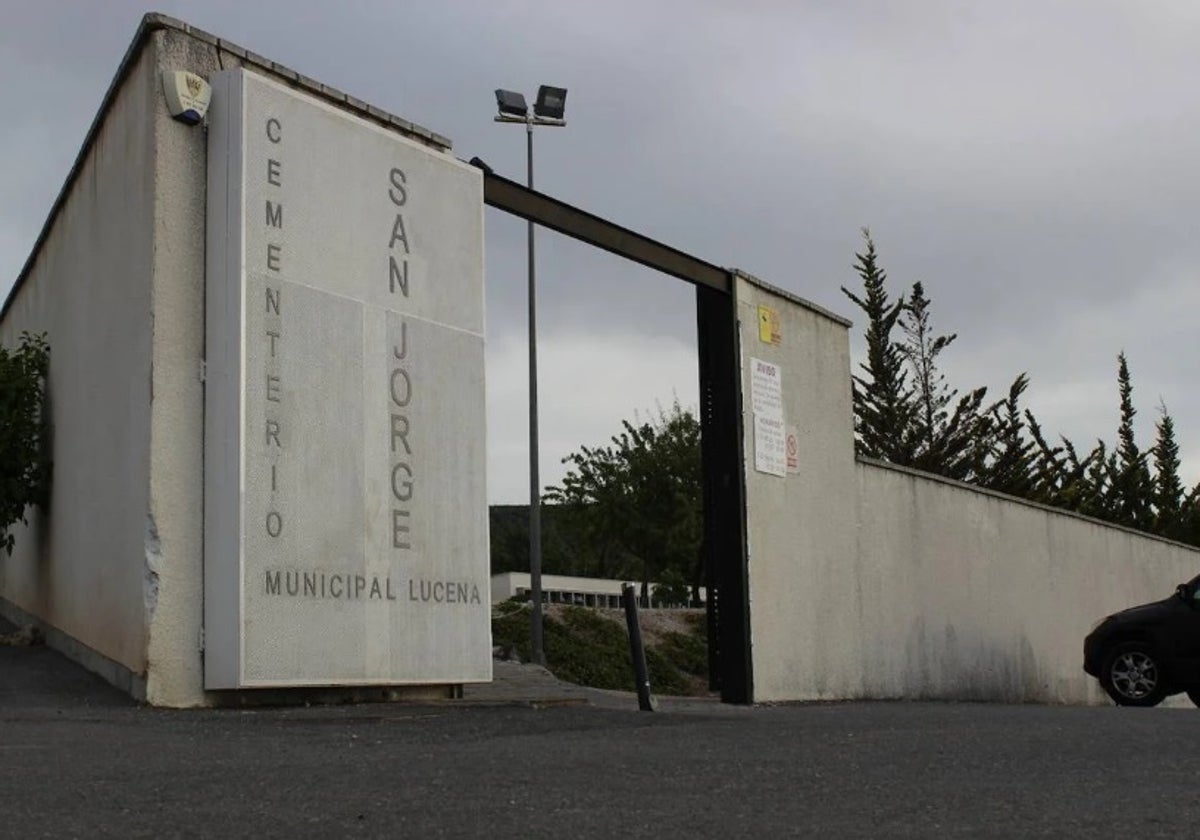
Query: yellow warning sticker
point(768, 326)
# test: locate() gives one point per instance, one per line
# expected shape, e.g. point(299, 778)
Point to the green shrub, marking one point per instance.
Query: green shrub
point(587, 647)
point(665, 678)
point(689, 653)
point(25, 477)
point(511, 628)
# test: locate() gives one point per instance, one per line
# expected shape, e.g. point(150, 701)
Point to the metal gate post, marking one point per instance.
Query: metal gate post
point(730, 666)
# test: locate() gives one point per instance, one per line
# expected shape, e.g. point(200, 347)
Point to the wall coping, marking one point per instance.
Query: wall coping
point(796, 299)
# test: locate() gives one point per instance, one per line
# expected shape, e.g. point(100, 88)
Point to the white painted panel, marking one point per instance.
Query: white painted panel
point(346, 514)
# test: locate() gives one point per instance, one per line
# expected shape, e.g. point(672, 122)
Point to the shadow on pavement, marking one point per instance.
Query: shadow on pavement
point(38, 677)
point(35, 676)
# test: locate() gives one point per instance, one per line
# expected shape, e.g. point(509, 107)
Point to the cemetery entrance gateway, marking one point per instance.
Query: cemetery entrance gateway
point(724, 542)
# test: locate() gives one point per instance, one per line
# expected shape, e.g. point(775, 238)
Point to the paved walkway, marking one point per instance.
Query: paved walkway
point(513, 682)
point(37, 674)
point(79, 759)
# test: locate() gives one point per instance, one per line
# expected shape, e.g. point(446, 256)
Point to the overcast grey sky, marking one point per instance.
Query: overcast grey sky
point(1028, 160)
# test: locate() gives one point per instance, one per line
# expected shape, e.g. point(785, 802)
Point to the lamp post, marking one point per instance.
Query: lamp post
point(547, 110)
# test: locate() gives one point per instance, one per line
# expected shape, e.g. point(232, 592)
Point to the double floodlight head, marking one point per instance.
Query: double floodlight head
point(547, 110)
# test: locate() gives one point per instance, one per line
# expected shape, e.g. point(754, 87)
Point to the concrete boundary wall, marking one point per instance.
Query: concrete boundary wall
point(872, 581)
point(965, 594)
point(79, 569)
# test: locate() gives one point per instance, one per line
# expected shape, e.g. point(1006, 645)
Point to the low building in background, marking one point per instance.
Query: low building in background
point(580, 591)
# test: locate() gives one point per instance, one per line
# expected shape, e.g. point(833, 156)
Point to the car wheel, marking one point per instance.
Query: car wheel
point(1132, 675)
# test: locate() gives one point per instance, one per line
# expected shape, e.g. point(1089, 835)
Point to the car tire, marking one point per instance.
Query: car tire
point(1133, 675)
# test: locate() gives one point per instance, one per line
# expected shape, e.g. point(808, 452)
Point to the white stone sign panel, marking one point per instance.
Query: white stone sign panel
point(345, 496)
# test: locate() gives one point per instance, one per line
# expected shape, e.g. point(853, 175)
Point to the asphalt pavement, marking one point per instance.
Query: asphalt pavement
point(78, 759)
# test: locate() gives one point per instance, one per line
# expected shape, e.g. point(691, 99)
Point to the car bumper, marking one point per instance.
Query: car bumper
point(1091, 655)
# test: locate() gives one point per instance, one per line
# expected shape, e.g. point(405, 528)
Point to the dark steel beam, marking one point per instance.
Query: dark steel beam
point(503, 194)
point(731, 668)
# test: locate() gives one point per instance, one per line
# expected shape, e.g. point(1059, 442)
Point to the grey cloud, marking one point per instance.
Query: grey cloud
point(1029, 161)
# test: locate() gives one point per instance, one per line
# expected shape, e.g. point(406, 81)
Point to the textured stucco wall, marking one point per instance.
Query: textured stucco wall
point(80, 569)
point(174, 552)
point(798, 524)
point(869, 581)
point(970, 595)
point(119, 287)
point(114, 570)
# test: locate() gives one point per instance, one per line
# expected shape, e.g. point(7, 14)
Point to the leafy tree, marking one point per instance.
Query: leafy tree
point(594, 499)
point(509, 532)
point(884, 406)
point(639, 499)
point(25, 477)
point(672, 589)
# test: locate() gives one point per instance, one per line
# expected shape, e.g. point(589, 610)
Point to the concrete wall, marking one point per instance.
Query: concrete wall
point(114, 571)
point(870, 581)
point(82, 568)
point(175, 545)
point(799, 520)
point(972, 595)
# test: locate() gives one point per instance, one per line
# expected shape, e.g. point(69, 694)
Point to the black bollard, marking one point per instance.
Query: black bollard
point(636, 651)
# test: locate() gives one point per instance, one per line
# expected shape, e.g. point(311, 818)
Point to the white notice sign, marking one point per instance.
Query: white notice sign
point(766, 388)
point(345, 496)
point(766, 399)
point(769, 446)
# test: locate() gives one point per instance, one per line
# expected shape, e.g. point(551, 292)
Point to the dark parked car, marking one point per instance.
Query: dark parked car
point(1142, 654)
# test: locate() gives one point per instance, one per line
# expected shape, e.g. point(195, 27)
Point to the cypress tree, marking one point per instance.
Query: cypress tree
point(1168, 489)
point(921, 348)
point(883, 399)
point(939, 441)
point(1049, 467)
point(1011, 469)
point(1094, 497)
point(1130, 487)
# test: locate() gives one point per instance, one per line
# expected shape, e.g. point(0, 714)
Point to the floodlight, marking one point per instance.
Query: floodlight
point(511, 103)
point(551, 102)
point(547, 111)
